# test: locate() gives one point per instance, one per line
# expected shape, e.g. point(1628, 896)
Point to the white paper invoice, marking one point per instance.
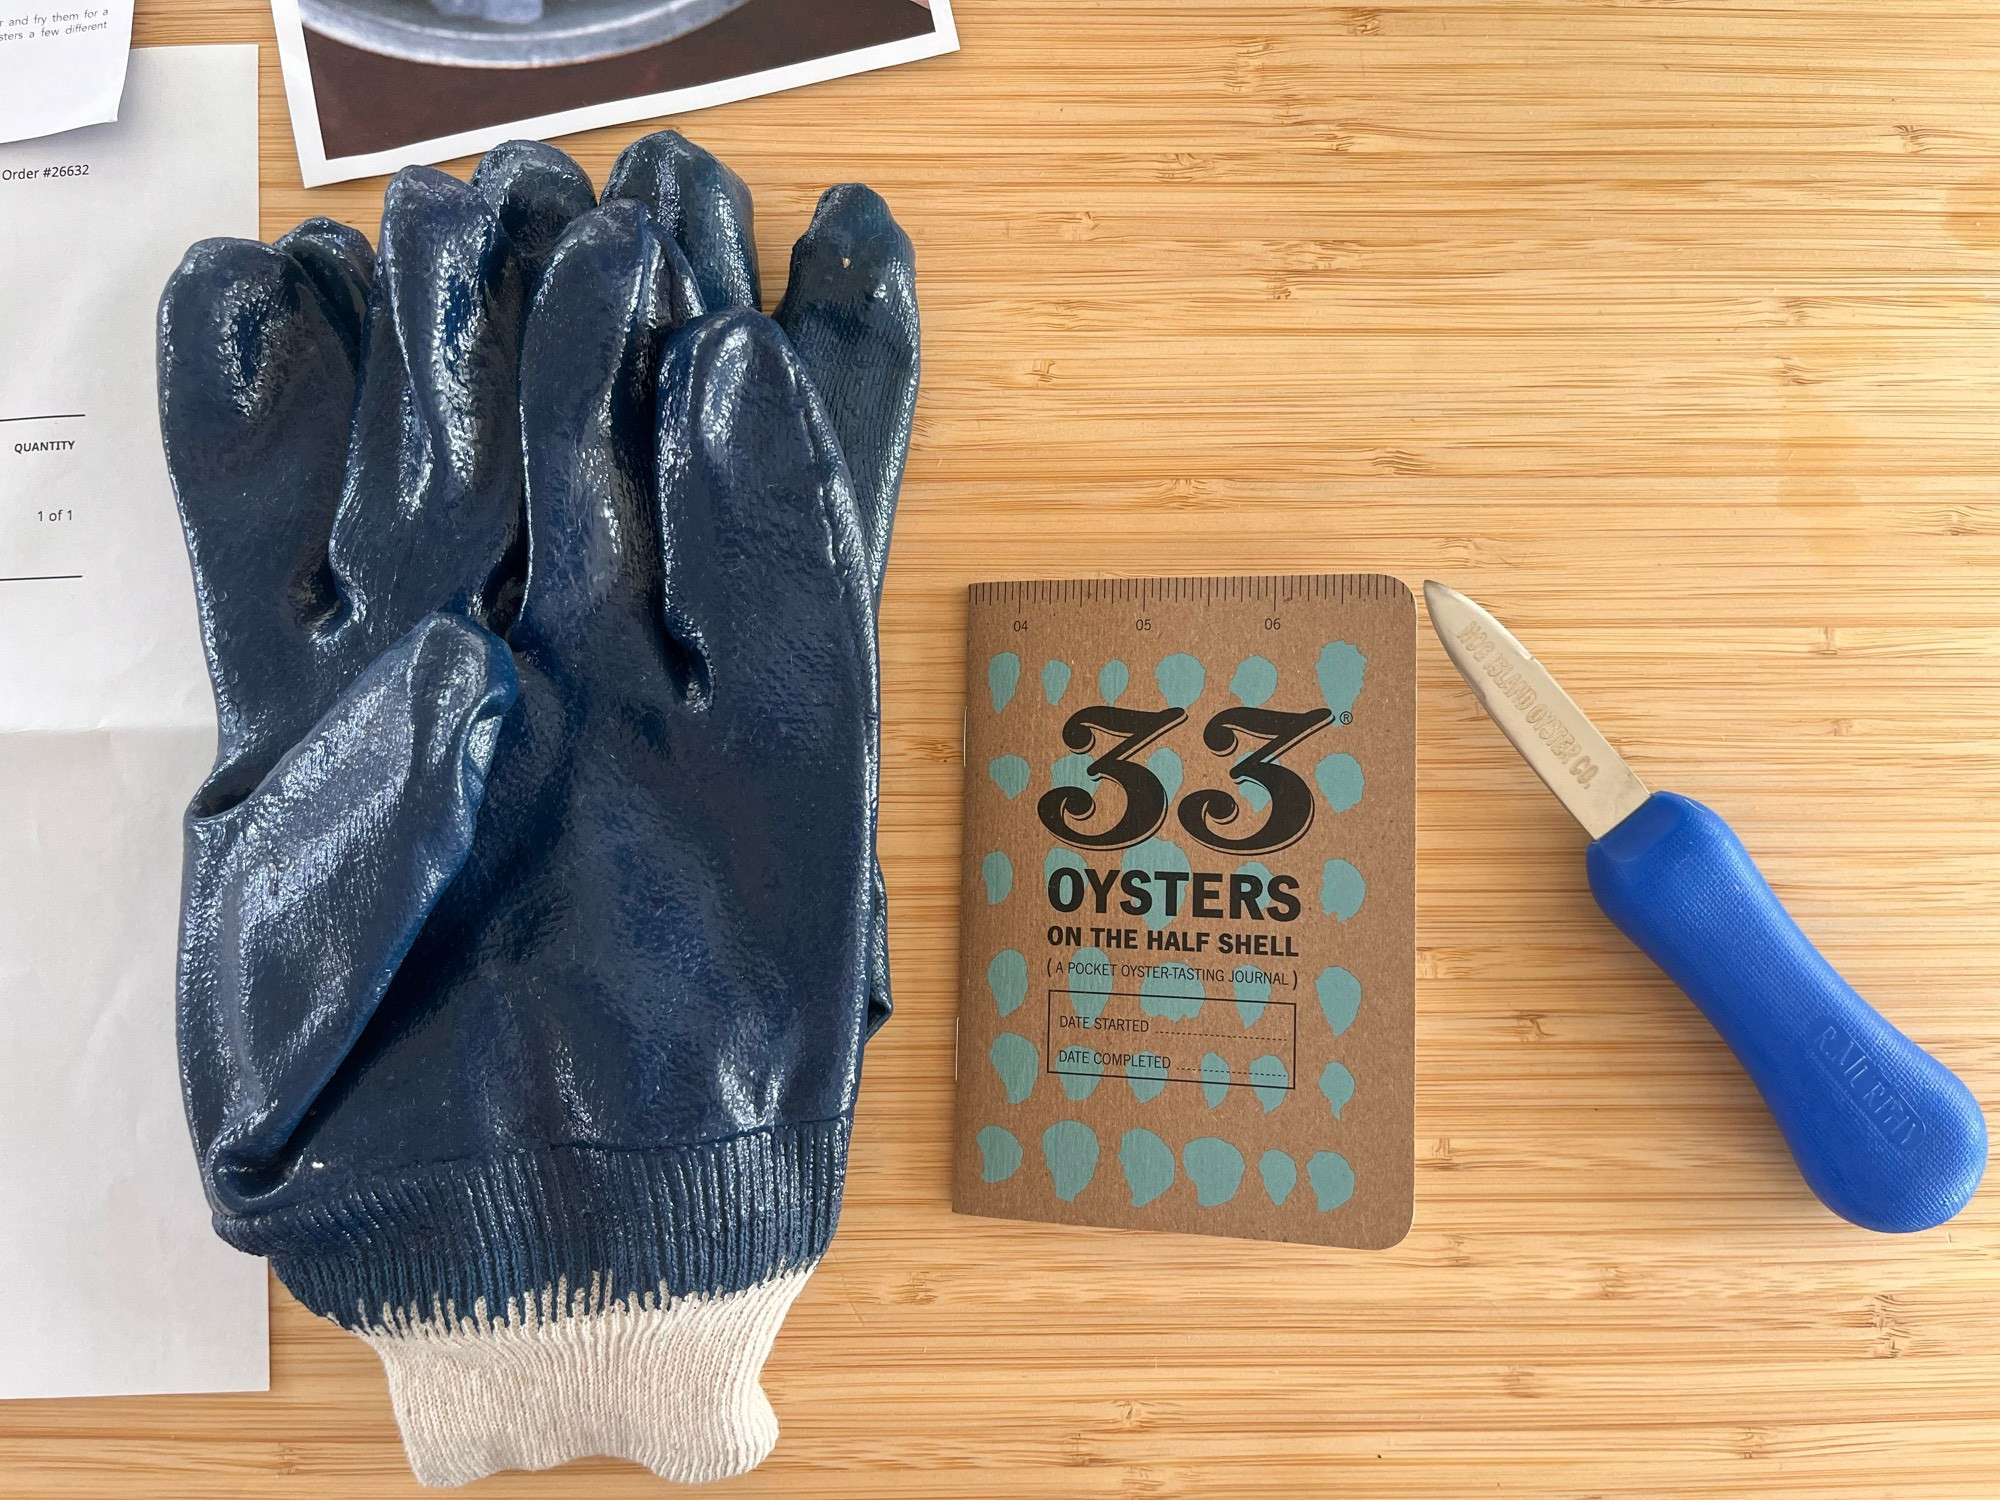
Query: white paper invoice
point(62, 64)
point(114, 1281)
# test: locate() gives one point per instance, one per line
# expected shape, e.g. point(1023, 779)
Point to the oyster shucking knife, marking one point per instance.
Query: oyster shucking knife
point(1885, 1133)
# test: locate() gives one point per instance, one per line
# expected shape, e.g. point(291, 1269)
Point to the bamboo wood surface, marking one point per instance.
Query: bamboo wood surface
point(1666, 330)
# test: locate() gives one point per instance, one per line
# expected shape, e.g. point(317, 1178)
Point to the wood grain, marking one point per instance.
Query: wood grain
point(1669, 331)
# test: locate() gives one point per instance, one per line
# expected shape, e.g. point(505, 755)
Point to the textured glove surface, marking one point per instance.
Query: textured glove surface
point(531, 924)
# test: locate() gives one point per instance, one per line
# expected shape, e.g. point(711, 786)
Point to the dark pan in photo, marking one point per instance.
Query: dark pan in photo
point(369, 101)
point(508, 33)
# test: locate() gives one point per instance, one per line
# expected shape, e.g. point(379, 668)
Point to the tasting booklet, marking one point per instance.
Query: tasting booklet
point(1187, 971)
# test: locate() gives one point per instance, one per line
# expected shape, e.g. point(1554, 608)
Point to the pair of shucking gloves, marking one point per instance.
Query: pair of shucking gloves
point(531, 926)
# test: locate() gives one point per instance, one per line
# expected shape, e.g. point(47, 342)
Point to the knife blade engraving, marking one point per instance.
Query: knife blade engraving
point(1513, 685)
point(1551, 732)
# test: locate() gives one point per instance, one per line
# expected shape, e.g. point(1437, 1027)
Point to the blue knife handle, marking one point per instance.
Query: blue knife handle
point(1885, 1133)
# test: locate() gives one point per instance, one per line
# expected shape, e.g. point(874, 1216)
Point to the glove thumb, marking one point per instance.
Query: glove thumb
point(300, 901)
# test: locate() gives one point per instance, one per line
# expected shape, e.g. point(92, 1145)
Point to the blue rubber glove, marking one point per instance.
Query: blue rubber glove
point(850, 310)
point(528, 933)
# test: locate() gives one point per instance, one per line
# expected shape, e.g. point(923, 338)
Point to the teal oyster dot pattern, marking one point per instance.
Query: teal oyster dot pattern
point(1060, 859)
point(1257, 867)
point(1339, 998)
point(1270, 1081)
point(1255, 680)
point(1280, 1174)
point(1332, 1180)
point(1003, 675)
point(1055, 681)
point(1113, 680)
point(1338, 1085)
point(998, 872)
point(999, 1154)
point(1007, 979)
point(1069, 1148)
point(1157, 856)
point(1010, 773)
point(1253, 993)
point(1180, 677)
point(1172, 992)
point(1089, 982)
point(1342, 669)
point(1079, 1075)
point(1166, 765)
point(1341, 890)
point(1017, 1062)
point(1072, 770)
point(1148, 1076)
point(1214, 1079)
point(1148, 1164)
point(1215, 1168)
point(1340, 781)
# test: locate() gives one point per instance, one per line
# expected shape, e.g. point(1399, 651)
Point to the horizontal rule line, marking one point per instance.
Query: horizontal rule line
point(1224, 1036)
point(1246, 1081)
point(40, 577)
point(52, 416)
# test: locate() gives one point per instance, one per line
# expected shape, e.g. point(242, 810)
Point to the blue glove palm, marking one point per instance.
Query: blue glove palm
point(529, 932)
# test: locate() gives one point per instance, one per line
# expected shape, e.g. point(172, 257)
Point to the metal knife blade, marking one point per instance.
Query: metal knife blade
point(1552, 734)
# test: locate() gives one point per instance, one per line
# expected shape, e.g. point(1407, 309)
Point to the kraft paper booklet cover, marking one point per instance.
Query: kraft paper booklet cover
point(1187, 987)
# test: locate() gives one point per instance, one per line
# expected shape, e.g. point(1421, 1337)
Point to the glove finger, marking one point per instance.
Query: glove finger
point(880, 1004)
point(536, 190)
point(850, 309)
point(256, 381)
point(431, 514)
point(302, 899)
point(768, 607)
point(613, 289)
point(341, 263)
point(704, 206)
point(767, 588)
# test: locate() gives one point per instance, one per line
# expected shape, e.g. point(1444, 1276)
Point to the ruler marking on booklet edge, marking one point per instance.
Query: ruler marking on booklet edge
point(1285, 588)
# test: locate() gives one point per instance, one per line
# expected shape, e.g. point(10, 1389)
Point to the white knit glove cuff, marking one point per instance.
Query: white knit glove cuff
point(669, 1383)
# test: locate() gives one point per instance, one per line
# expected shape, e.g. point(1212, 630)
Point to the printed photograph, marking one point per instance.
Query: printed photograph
point(378, 84)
